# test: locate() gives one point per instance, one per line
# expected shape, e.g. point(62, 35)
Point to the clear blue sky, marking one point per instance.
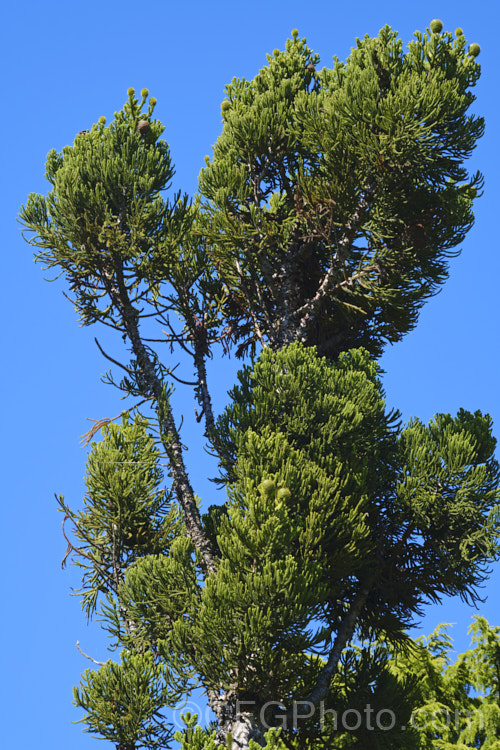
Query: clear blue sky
point(65, 65)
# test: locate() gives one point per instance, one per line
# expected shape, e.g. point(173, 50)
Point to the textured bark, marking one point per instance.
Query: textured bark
point(244, 728)
point(344, 635)
point(233, 720)
point(118, 293)
point(201, 390)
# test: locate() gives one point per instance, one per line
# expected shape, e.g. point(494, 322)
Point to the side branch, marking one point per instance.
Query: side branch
point(201, 390)
point(99, 663)
point(344, 635)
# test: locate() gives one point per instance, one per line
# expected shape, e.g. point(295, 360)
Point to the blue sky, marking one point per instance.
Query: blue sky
point(67, 64)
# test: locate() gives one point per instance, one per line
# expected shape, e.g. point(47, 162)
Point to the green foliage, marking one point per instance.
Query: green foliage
point(326, 493)
point(196, 738)
point(456, 702)
point(326, 217)
point(104, 208)
point(289, 545)
point(157, 592)
point(449, 490)
point(429, 492)
point(485, 658)
point(482, 668)
point(124, 702)
point(106, 226)
point(327, 409)
point(334, 198)
point(365, 684)
point(126, 513)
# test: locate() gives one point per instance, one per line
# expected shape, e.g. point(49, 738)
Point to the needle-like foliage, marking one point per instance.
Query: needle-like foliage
point(327, 215)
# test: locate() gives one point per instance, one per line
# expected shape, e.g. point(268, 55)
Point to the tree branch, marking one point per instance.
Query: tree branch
point(169, 435)
point(99, 663)
point(114, 361)
point(344, 635)
point(327, 286)
point(202, 393)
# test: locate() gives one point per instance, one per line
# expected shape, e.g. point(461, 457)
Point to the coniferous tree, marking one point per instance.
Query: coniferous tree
point(325, 219)
point(455, 702)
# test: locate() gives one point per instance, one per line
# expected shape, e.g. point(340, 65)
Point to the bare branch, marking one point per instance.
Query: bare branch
point(99, 663)
point(201, 390)
point(114, 361)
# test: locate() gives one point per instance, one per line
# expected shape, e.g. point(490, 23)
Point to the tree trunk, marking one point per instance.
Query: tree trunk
point(243, 728)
